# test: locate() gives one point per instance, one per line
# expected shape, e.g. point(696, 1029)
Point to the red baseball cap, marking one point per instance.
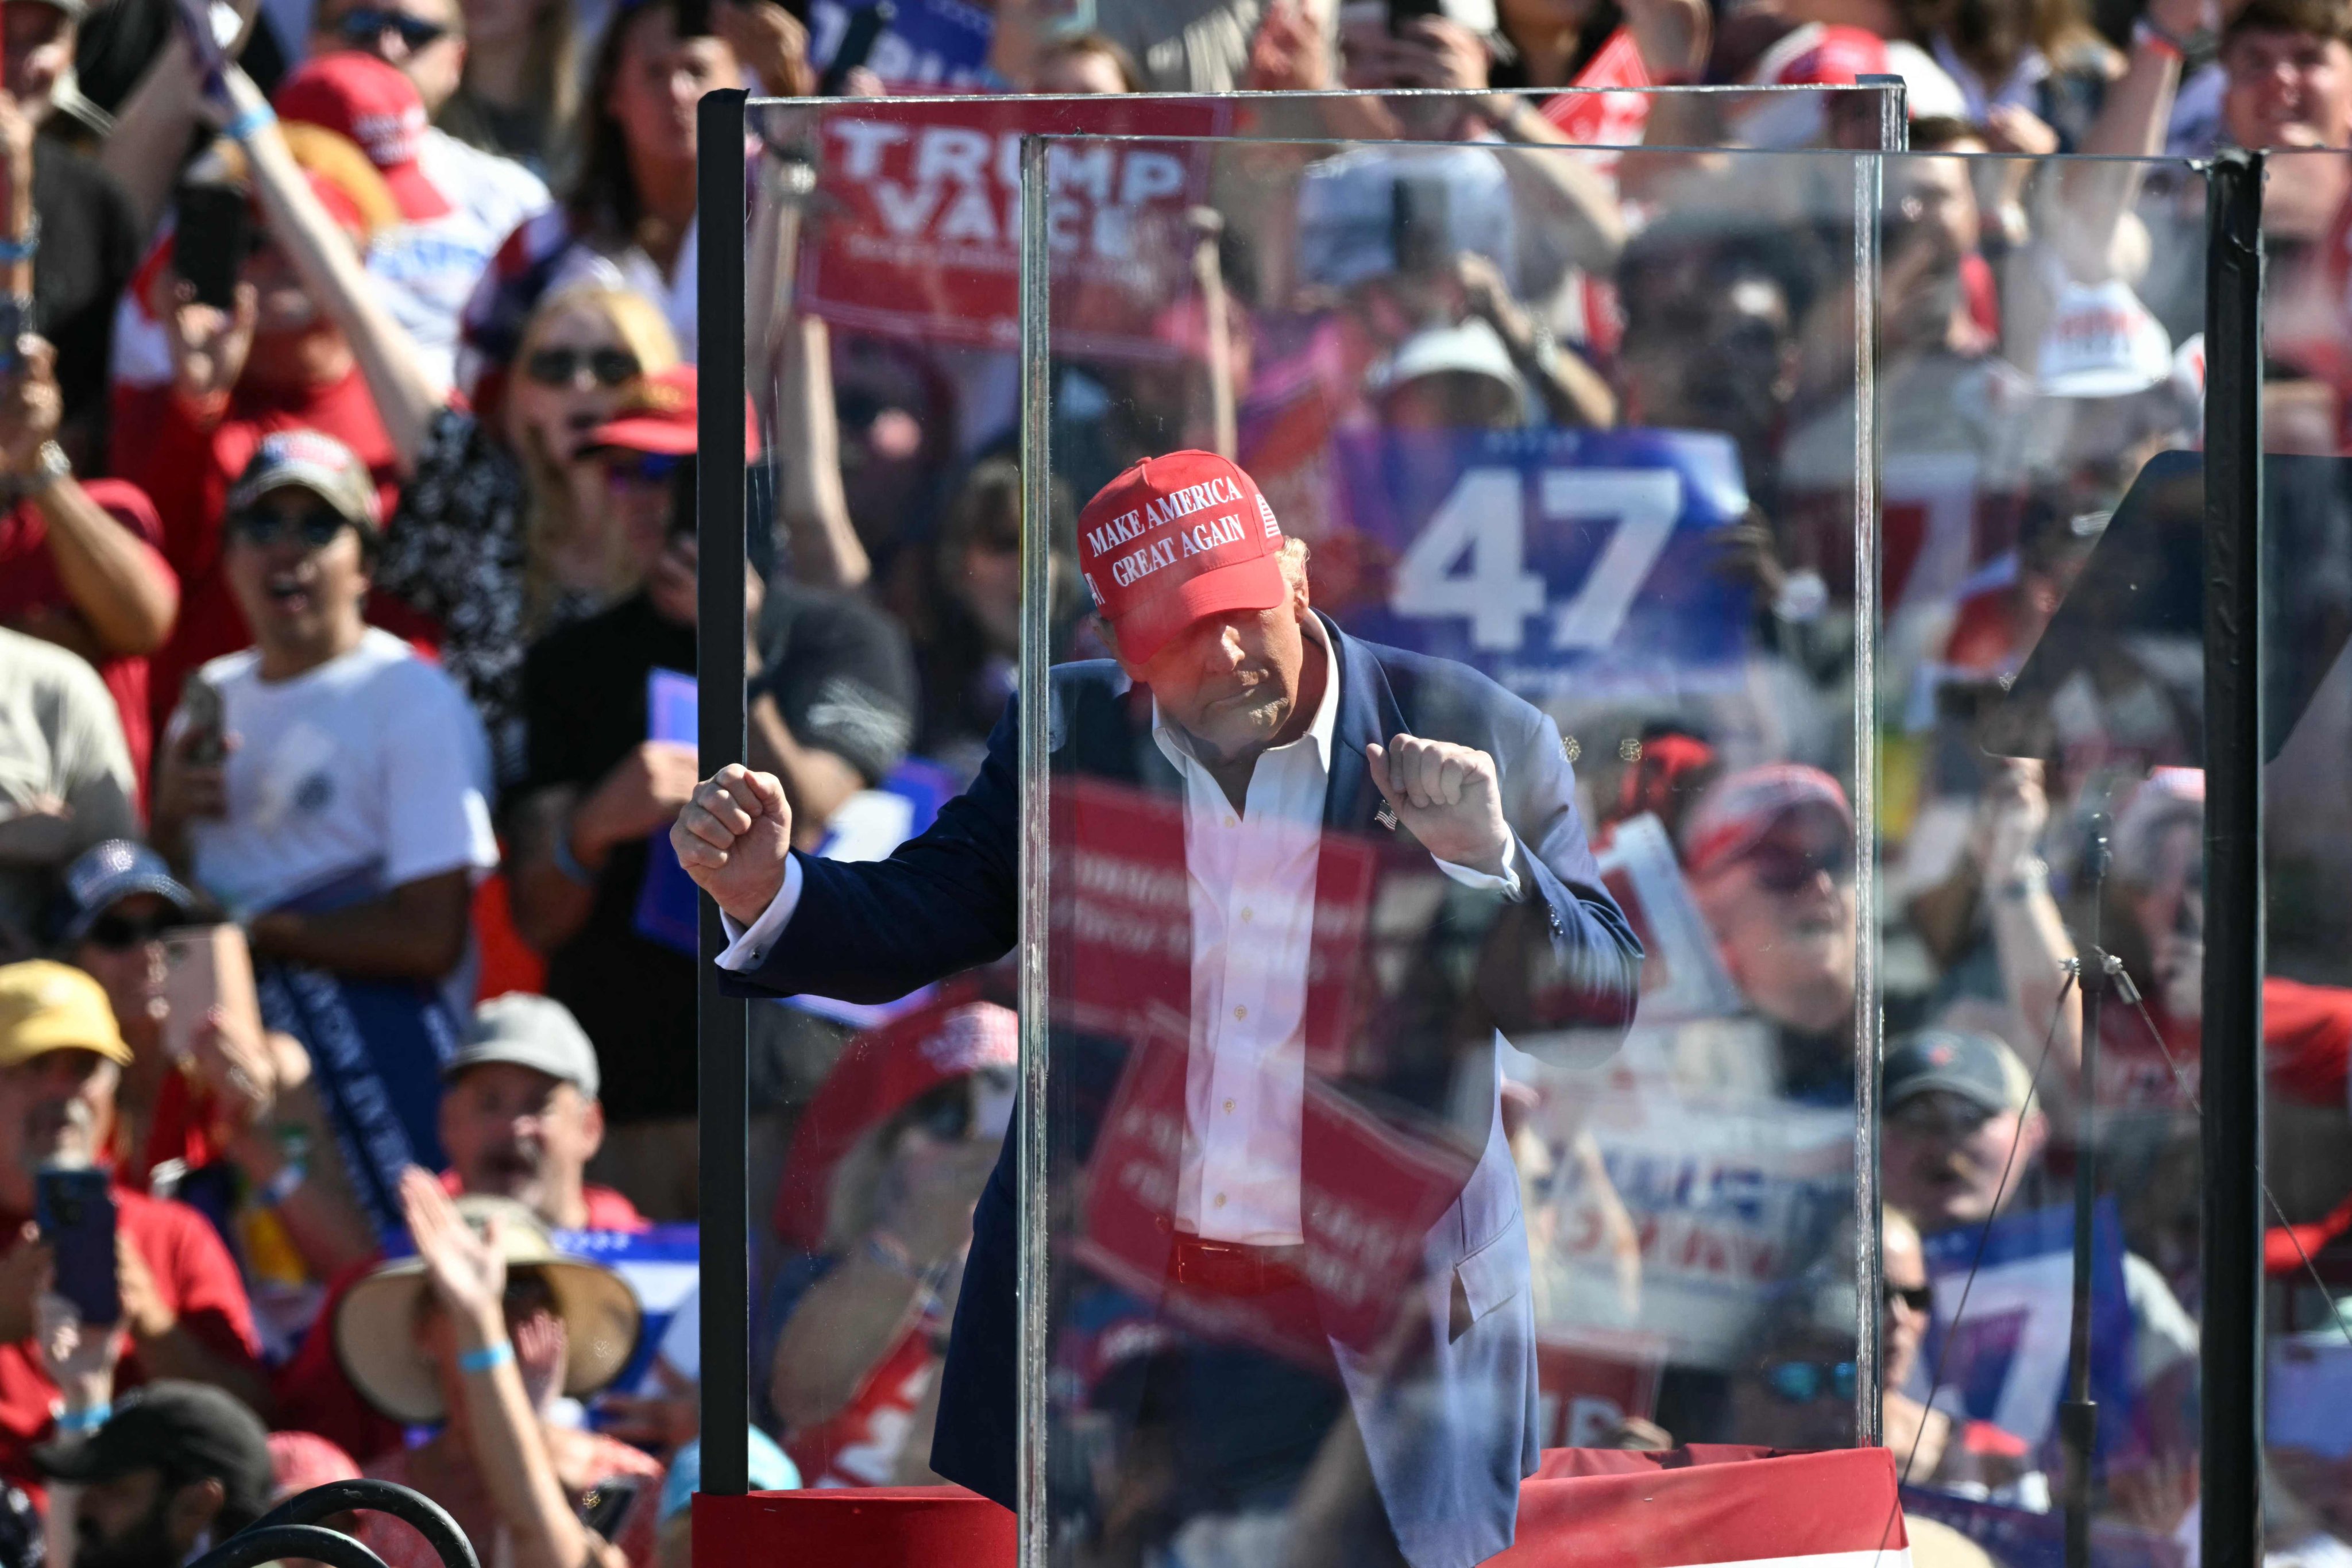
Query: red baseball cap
point(373, 104)
point(1174, 540)
point(1737, 814)
point(660, 417)
point(880, 1073)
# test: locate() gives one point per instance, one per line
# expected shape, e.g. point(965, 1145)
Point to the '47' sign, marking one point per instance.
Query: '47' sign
point(1544, 558)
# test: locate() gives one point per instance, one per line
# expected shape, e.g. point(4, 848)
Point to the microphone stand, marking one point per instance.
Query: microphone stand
point(2078, 1414)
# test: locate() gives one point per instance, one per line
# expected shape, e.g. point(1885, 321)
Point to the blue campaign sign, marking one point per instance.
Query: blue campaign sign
point(932, 45)
point(2003, 1358)
point(663, 1264)
point(1558, 562)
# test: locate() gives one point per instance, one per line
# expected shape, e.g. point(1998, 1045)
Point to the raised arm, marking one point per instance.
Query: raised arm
point(873, 932)
point(405, 397)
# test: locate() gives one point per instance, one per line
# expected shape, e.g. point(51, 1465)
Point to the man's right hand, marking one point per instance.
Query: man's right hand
point(734, 838)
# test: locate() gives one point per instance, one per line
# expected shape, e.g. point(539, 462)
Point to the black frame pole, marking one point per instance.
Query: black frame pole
point(2231, 1050)
point(722, 1024)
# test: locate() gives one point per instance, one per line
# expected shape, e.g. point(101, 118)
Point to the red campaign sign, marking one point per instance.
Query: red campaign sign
point(1122, 920)
point(1587, 1394)
point(1369, 1191)
point(920, 227)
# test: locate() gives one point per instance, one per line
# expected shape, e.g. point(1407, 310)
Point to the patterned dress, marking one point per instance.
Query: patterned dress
point(455, 550)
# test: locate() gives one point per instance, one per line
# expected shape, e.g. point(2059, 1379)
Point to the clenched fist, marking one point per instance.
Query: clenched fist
point(733, 838)
point(1450, 798)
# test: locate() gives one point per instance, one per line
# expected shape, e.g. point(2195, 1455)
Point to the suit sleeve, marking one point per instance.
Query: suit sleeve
point(1567, 959)
point(945, 900)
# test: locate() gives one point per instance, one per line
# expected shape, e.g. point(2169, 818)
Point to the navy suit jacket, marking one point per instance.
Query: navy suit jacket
point(1449, 1453)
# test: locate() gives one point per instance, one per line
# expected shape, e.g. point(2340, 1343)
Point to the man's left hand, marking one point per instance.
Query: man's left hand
point(1450, 796)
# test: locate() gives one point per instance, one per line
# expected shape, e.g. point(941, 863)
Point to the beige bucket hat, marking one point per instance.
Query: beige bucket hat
point(375, 1337)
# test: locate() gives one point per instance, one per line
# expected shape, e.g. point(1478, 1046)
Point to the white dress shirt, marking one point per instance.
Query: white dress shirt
point(1252, 878)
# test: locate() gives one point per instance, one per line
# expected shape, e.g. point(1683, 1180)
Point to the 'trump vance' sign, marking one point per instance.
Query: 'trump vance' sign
point(920, 232)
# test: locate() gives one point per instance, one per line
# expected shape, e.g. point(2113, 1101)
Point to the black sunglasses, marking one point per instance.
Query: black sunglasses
point(1920, 1298)
point(1802, 1382)
point(366, 23)
point(317, 528)
point(560, 367)
point(1782, 869)
point(121, 934)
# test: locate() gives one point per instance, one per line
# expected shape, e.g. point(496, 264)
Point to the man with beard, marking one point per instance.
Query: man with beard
point(178, 1468)
point(184, 1310)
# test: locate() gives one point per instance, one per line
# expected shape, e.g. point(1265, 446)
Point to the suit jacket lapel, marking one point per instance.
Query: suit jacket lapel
point(1368, 715)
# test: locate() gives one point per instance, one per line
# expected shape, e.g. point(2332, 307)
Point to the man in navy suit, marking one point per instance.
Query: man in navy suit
point(1242, 735)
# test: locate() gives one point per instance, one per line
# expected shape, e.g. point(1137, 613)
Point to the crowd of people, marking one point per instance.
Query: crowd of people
point(348, 617)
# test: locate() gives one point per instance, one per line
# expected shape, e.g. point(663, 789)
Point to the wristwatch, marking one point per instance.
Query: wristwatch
point(50, 464)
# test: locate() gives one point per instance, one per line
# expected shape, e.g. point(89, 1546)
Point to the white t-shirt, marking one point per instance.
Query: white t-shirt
point(362, 774)
point(430, 269)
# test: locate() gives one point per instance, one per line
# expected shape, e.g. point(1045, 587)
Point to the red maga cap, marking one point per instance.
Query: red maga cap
point(373, 104)
point(661, 416)
point(1175, 539)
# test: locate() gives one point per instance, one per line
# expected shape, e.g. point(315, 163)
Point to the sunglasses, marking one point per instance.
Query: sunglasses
point(1802, 1382)
point(317, 529)
point(1782, 868)
point(366, 23)
point(561, 367)
point(1920, 1298)
point(646, 467)
point(121, 934)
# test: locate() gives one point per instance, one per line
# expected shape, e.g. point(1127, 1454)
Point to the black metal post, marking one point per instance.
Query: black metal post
point(722, 1023)
point(2078, 1414)
point(2231, 1048)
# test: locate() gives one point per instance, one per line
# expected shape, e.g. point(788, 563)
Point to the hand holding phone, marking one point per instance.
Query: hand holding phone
point(206, 967)
point(214, 234)
point(76, 1212)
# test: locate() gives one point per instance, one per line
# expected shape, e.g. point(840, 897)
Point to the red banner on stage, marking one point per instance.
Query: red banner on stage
point(920, 226)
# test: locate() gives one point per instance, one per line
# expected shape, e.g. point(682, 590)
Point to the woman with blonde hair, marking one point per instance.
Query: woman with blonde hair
point(497, 534)
point(501, 533)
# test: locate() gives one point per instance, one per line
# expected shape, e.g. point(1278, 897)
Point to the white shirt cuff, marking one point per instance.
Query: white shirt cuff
point(748, 946)
point(1508, 884)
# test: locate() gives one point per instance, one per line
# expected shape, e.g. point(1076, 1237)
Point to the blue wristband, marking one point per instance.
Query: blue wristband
point(567, 862)
point(14, 250)
point(242, 128)
point(284, 1185)
point(76, 1423)
point(489, 1358)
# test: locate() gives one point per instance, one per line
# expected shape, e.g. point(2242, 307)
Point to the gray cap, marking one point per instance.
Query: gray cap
point(535, 1032)
point(1976, 1067)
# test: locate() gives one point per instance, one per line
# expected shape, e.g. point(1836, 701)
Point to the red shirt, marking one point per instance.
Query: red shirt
point(198, 1280)
point(187, 467)
point(2306, 1050)
point(313, 1394)
point(29, 583)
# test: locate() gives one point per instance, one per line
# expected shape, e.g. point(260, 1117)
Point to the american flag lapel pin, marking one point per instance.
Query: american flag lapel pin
point(1386, 816)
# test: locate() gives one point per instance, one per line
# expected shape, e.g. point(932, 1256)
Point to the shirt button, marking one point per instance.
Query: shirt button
point(1229, 821)
point(1229, 1108)
point(1241, 1012)
point(1220, 1200)
point(1245, 914)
